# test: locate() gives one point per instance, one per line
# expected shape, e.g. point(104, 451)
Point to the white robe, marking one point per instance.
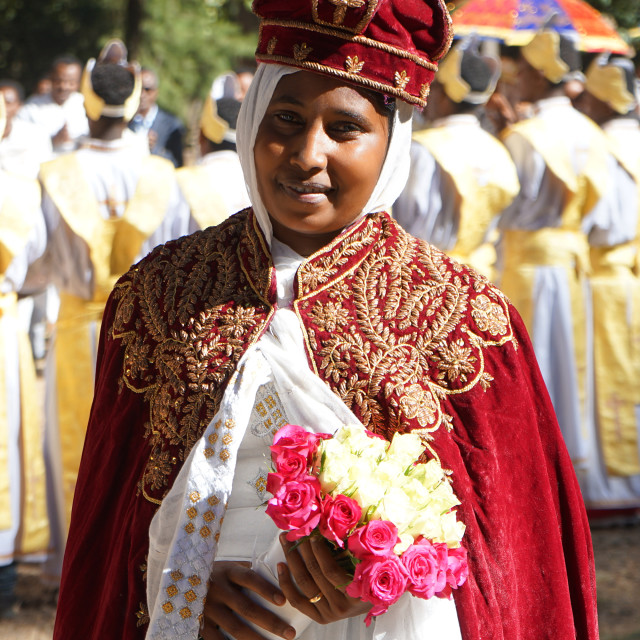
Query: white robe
point(612, 222)
point(112, 170)
point(11, 281)
point(540, 205)
point(25, 148)
point(43, 111)
point(225, 175)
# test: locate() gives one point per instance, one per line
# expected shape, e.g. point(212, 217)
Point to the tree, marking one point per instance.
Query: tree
point(626, 13)
point(33, 33)
point(189, 42)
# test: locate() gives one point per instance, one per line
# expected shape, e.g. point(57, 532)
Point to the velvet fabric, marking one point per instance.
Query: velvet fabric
point(409, 340)
point(391, 46)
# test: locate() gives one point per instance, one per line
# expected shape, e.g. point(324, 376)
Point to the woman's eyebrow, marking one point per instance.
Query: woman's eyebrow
point(287, 99)
point(353, 115)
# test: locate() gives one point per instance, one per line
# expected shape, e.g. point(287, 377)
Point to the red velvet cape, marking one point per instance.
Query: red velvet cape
point(409, 340)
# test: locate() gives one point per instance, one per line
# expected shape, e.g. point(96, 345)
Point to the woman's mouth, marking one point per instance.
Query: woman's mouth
point(308, 192)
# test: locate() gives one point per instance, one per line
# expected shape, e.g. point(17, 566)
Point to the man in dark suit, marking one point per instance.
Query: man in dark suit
point(164, 130)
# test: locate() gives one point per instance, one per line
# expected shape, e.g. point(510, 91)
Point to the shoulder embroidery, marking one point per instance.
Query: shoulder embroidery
point(185, 316)
point(404, 330)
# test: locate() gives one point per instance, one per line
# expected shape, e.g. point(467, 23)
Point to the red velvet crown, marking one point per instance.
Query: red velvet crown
point(391, 46)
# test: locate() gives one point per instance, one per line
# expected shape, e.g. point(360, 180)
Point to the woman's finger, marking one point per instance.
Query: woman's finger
point(230, 606)
point(243, 576)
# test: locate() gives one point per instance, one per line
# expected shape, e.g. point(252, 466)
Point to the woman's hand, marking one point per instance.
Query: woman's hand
point(318, 590)
point(228, 607)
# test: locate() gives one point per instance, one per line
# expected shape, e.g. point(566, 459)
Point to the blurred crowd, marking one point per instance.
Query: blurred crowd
point(525, 165)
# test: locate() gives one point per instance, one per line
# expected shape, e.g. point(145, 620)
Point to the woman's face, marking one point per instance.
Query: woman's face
point(318, 154)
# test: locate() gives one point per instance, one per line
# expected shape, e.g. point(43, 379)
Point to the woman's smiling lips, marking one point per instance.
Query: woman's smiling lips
point(308, 192)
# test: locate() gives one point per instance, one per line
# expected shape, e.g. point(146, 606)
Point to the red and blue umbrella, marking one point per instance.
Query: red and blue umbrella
point(515, 22)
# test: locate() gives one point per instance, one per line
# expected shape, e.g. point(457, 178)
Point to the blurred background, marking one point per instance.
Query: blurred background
point(188, 43)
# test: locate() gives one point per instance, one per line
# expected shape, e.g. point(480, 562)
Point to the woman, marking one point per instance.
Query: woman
point(316, 309)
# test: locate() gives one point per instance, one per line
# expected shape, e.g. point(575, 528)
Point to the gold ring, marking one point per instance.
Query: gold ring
point(316, 598)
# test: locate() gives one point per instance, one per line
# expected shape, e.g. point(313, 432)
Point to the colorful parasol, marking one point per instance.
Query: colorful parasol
point(516, 21)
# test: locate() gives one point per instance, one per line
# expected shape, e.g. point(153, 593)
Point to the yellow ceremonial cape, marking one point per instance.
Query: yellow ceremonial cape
point(480, 200)
point(113, 246)
point(615, 290)
point(206, 204)
point(19, 202)
point(563, 246)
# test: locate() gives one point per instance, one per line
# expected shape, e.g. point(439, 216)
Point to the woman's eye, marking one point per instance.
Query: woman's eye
point(286, 118)
point(343, 128)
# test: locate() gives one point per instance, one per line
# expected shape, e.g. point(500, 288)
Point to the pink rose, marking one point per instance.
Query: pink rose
point(339, 516)
point(380, 581)
point(295, 506)
point(295, 438)
point(457, 571)
point(376, 538)
point(426, 565)
point(289, 463)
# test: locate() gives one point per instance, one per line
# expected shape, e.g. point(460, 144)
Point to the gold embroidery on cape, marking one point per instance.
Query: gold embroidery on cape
point(392, 325)
point(181, 360)
point(415, 335)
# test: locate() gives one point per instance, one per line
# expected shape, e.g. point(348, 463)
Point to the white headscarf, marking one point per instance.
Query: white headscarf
point(395, 169)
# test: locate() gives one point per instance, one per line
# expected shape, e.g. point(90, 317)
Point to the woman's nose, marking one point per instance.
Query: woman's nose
point(312, 148)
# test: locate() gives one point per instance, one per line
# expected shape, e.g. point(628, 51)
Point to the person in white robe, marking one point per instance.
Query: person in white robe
point(24, 533)
point(563, 167)
point(61, 112)
point(24, 146)
point(461, 177)
point(105, 206)
point(611, 484)
point(215, 187)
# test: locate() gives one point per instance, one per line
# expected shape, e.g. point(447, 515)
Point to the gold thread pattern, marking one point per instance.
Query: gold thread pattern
point(341, 10)
point(367, 82)
point(353, 65)
point(401, 79)
point(383, 313)
point(405, 346)
point(180, 359)
point(172, 590)
point(363, 40)
point(301, 51)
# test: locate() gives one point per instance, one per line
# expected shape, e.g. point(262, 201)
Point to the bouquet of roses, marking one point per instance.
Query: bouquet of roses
point(392, 516)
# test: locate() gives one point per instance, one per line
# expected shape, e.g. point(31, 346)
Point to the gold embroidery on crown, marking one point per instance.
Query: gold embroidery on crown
point(401, 79)
point(340, 12)
point(341, 9)
point(271, 45)
point(424, 91)
point(301, 51)
point(353, 65)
